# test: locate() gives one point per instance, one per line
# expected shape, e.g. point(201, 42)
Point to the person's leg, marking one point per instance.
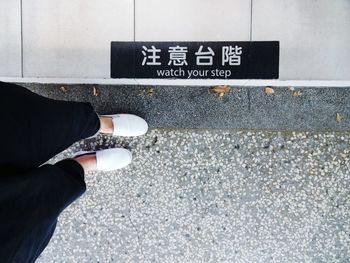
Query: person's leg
point(32, 201)
point(35, 128)
point(106, 125)
point(88, 162)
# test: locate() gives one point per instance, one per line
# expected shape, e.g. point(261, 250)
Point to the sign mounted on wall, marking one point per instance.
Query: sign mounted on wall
point(195, 60)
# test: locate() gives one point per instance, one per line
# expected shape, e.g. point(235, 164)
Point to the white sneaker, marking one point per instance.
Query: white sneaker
point(110, 159)
point(126, 125)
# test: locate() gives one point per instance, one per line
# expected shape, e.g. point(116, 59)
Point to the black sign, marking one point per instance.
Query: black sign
point(195, 60)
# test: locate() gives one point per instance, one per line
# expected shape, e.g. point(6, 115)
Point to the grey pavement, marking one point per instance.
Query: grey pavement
point(212, 196)
point(242, 108)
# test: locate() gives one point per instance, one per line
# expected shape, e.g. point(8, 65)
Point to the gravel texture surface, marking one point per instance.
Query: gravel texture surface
point(251, 108)
point(212, 196)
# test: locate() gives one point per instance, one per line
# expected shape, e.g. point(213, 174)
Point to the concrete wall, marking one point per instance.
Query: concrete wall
point(71, 39)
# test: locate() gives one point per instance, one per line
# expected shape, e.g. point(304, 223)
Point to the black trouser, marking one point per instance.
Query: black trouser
point(33, 130)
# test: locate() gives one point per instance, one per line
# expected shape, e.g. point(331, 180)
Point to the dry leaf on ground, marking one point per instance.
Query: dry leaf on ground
point(220, 89)
point(338, 117)
point(64, 89)
point(269, 90)
point(150, 91)
point(221, 95)
point(95, 91)
point(296, 93)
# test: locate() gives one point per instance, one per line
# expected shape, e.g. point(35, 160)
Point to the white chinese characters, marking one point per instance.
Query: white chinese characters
point(152, 56)
point(204, 58)
point(177, 56)
point(231, 55)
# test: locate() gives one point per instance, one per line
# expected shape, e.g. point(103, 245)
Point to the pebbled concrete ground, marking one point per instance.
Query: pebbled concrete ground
point(212, 196)
point(252, 108)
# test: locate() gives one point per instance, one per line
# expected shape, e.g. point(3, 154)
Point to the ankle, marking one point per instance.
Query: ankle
point(88, 162)
point(106, 125)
